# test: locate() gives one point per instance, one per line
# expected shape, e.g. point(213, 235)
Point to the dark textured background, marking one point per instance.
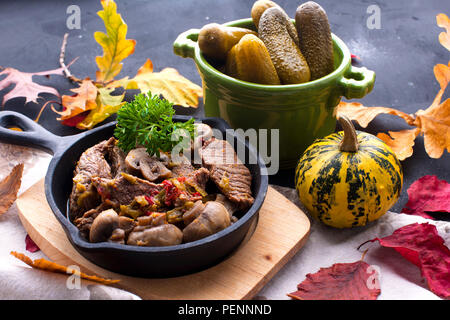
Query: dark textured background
point(402, 53)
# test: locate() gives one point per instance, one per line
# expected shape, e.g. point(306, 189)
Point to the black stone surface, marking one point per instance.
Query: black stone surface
point(402, 53)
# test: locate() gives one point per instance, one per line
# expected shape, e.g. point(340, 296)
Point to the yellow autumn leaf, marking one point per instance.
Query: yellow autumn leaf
point(114, 43)
point(168, 83)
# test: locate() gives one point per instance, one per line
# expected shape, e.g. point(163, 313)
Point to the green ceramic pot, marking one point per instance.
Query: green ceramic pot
point(302, 112)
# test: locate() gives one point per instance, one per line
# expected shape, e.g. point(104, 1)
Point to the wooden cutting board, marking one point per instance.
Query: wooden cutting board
point(281, 231)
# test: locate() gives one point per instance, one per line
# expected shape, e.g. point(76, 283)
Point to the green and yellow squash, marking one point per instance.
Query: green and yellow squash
point(348, 178)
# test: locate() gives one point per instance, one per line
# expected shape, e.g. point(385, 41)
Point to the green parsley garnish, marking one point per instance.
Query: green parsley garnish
point(147, 121)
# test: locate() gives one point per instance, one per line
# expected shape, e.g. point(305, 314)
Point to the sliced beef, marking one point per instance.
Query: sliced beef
point(123, 189)
point(197, 179)
point(92, 164)
point(181, 168)
point(116, 158)
point(138, 161)
point(230, 175)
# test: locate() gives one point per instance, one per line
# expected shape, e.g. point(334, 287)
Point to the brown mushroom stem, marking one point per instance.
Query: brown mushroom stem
point(349, 142)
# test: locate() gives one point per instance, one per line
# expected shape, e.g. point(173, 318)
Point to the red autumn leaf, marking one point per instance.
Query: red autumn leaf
point(422, 245)
point(341, 281)
point(428, 194)
point(30, 245)
point(24, 85)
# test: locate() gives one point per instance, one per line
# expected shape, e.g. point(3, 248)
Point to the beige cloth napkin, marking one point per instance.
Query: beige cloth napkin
point(399, 279)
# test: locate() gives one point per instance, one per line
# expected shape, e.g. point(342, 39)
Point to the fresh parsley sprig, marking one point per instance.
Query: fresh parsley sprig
point(147, 121)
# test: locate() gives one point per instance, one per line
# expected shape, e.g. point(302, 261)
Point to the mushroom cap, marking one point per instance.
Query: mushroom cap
point(163, 235)
point(212, 219)
point(103, 226)
point(138, 160)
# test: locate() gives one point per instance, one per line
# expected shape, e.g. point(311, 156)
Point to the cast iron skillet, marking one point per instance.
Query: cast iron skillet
point(131, 260)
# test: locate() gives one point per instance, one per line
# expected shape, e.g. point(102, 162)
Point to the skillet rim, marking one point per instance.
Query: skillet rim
point(73, 233)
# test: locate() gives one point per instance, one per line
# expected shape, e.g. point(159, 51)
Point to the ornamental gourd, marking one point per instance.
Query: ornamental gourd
point(348, 178)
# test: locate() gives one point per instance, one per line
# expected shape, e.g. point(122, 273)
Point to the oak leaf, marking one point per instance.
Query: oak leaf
point(114, 43)
point(106, 105)
point(444, 37)
point(433, 123)
point(46, 265)
point(341, 281)
point(83, 100)
point(9, 187)
point(24, 85)
point(168, 83)
point(401, 142)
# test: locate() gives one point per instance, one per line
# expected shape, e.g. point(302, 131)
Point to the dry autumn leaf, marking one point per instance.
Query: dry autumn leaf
point(428, 195)
point(168, 83)
point(423, 246)
point(9, 187)
point(341, 281)
point(24, 85)
point(46, 265)
point(433, 123)
point(106, 105)
point(401, 142)
point(114, 43)
point(83, 100)
point(444, 37)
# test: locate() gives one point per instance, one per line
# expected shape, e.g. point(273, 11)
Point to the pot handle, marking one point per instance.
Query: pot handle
point(357, 82)
point(30, 134)
point(184, 45)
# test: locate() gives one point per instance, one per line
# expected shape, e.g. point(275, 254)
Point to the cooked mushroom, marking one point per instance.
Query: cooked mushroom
point(138, 160)
point(103, 226)
point(163, 235)
point(230, 206)
point(193, 213)
point(212, 219)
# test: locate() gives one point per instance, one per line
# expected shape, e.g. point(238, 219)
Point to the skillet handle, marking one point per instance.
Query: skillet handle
point(32, 134)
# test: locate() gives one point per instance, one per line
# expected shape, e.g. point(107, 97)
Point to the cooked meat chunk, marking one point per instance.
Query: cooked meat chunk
point(120, 234)
point(84, 222)
point(162, 235)
point(92, 163)
point(212, 219)
point(197, 180)
point(124, 189)
point(103, 226)
point(138, 161)
point(181, 168)
point(116, 158)
point(230, 175)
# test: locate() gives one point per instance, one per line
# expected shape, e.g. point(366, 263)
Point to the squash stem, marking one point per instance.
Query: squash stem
point(350, 141)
